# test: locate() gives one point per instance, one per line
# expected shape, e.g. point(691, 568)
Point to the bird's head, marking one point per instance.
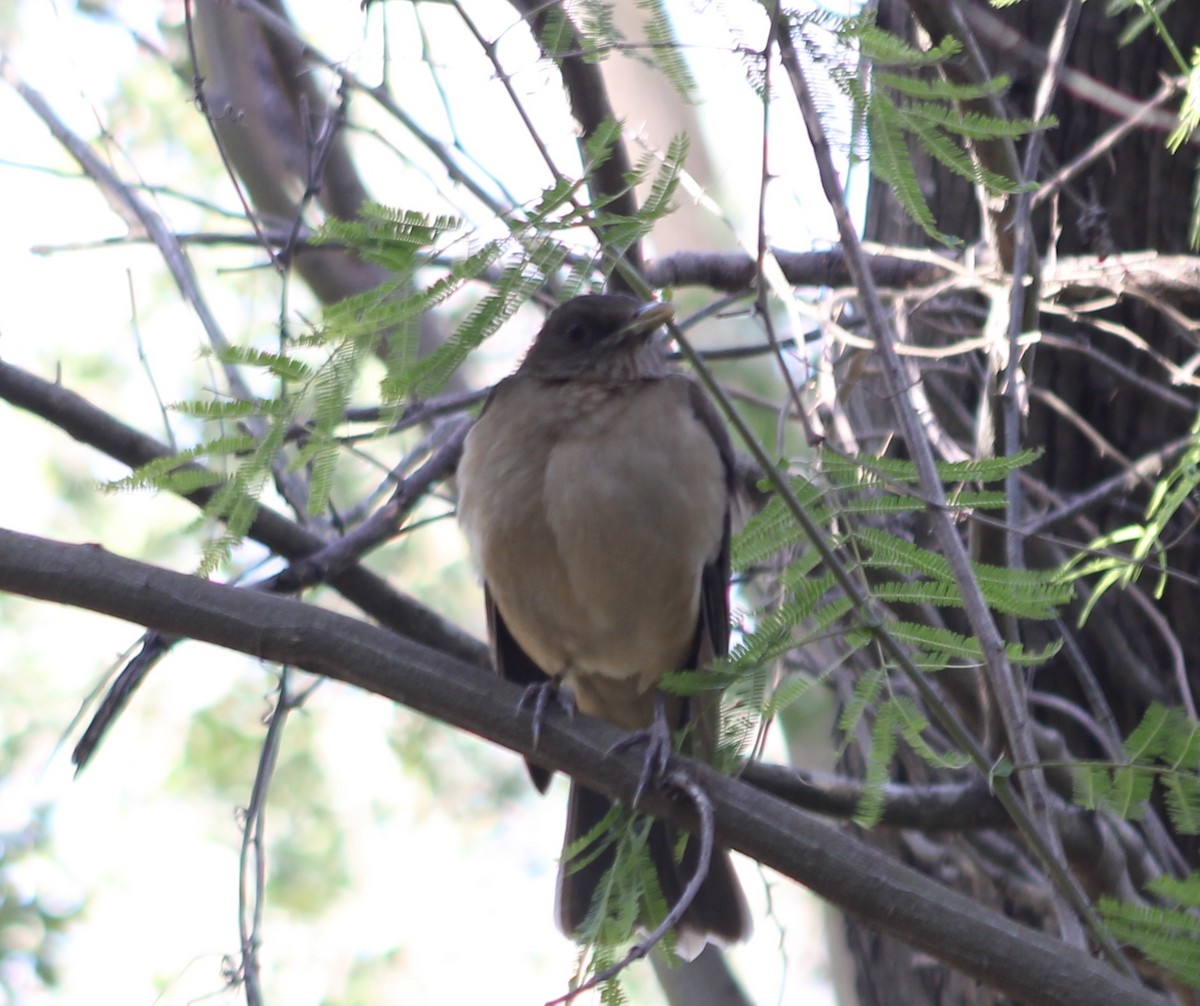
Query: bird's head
point(600, 335)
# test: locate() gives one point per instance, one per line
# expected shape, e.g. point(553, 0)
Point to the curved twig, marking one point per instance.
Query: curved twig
point(679, 779)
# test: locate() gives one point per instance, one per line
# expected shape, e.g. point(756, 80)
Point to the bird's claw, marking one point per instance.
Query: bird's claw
point(659, 748)
point(539, 697)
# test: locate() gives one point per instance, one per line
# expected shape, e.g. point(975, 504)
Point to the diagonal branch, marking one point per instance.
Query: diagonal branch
point(1035, 822)
point(373, 595)
point(136, 213)
point(891, 897)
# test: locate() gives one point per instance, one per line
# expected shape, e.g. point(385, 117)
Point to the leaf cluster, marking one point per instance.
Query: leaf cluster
point(1169, 934)
point(1147, 542)
point(1163, 752)
point(857, 501)
point(905, 98)
point(1164, 748)
point(298, 427)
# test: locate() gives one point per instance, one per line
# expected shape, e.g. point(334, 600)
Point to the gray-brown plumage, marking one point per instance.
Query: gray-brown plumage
point(596, 491)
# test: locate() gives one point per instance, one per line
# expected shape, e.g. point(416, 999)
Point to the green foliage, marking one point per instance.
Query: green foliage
point(628, 896)
point(1189, 111)
point(896, 718)
point(1189, 122)
point(621, 232)
point(1149, 14)
point(598, 26)
point(897, 105)
point(1164, 748)
point(1144, 540)
point(882, 48)
point(1168, 934)
point(665, 48)
point(872, 488)
point(598, 148)
point(517, 283)
point(175, 473)
point(857, 500)
point(393, 238)
point(557, 34)
point(598, 37)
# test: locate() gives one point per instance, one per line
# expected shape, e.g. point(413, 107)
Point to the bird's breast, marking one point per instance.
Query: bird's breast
point(592, 512)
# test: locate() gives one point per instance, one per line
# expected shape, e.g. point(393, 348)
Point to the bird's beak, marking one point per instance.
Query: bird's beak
point(648, 318)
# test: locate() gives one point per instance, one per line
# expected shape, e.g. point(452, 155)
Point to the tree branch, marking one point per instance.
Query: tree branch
point(372, 594)
point(938, 807)
point(894, 899)
point(588, 95)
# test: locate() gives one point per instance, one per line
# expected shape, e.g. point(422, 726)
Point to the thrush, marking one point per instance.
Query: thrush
point(596, 493)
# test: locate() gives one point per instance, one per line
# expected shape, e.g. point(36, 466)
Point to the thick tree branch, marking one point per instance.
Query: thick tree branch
point(449, 158)
point(893, 898)
point(969, 809)
point(272, 121)
point(1175, 278)
point(736, 272)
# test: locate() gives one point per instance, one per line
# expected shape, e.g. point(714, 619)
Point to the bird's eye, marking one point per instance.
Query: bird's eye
point(577, 331)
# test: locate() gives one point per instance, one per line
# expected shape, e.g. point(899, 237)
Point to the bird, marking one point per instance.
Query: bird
point(596, 492)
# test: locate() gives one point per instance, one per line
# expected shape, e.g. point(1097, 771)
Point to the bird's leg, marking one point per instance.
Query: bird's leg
point(539, 696)
point(657, 738)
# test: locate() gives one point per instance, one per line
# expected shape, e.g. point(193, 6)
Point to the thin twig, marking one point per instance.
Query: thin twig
point(763, 260)
point(1023, 300)
point(587, 92)
point(380, 526)
point(1104, 143)
point(1088, 89)
point(252, 859)
point(201, 100)
point(136, 212)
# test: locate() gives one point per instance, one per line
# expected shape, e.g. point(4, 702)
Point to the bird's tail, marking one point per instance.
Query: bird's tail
point(718, 914)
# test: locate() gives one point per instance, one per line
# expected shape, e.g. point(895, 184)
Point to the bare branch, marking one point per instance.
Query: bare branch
point(373, 595)
point(136, 213)
point(895, 899)
point(1000, 36)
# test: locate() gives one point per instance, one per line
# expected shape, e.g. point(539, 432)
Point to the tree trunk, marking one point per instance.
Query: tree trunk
point(1099, 398)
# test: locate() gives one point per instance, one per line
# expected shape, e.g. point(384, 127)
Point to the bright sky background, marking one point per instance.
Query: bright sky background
point(458, 895)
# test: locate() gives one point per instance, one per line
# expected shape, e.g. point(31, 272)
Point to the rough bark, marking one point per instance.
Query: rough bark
point(1098, 399)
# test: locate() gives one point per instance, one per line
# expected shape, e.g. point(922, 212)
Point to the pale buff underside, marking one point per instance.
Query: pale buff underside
point(592, 517)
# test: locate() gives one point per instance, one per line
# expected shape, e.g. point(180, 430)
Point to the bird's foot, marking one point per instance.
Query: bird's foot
point(539, 697)
point(657, 738)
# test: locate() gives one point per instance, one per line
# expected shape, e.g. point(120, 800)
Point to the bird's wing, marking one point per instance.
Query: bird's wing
point(514, 664)
point(714, 591)
point(712, 630)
